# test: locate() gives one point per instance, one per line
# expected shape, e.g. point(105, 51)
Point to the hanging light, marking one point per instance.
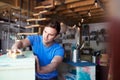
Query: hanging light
point(18, 25)
point(96, 4)
point(71, 6)
point(4, 14)
point(74, 26)
point(13, 13)
point(28, 23)
point(82, 20)
point(89, 14)
point(16, 20)
point(79, 24)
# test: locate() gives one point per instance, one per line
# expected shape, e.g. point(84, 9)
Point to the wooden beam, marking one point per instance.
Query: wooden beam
point(32, 26)
point(80, 3)
point(74, 5)
point(10, 2)
point(44, 7)
point(47, 4)
point(27, 33)
point(60, 2)
point(96, 20)
point(41, 12)
point(41, 19)
point(89, 7)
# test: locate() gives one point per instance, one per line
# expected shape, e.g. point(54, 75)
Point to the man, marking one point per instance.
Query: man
point(48, 53)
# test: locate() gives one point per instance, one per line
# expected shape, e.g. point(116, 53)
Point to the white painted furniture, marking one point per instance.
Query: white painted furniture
point(19, 68)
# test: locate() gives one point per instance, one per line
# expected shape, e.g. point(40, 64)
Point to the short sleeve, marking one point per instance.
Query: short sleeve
point(31, 39)
point(60, 51)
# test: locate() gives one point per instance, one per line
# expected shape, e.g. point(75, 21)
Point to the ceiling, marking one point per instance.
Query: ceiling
point(68, 11)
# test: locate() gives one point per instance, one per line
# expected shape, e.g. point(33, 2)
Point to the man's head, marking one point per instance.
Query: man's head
point(50, 32)
point(55, 25)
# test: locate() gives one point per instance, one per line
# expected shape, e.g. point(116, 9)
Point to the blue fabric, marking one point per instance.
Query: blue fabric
point(83, 75)
point(45, 54)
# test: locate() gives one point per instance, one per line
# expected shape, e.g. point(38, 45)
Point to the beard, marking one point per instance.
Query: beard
point(47, 42)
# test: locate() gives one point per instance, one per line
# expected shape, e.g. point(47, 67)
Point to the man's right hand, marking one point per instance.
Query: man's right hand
point(14, 52)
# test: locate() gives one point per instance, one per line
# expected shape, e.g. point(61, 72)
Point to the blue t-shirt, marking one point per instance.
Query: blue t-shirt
point(45, 54)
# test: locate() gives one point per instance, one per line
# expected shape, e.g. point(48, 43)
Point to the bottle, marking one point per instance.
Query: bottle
point(74, 58)
point(76, 54)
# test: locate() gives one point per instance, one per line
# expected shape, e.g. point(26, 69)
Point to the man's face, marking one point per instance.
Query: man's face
point(49, 35)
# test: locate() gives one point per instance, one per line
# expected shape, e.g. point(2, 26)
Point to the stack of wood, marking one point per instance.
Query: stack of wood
point(43, 9)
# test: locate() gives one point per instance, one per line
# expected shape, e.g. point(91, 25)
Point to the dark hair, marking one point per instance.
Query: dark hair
point(55, 25)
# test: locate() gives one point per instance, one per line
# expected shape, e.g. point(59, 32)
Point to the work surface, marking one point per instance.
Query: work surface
point(20, 68)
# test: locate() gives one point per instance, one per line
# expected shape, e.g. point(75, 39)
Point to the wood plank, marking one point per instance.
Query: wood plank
point(80, 3)
point(96, 20)
point(89, 7)
point(11, 2)
point(71, 1)
point(59, 2)
point(41, 19)
point(32, 26)
point(41, 12)
point(47, 2)
point(44, 7)
point(86, 8)
point(74, 5)
point(67, 11)
point(27, 33)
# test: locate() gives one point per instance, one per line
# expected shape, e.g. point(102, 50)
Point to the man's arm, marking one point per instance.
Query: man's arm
point(21, 44)
point(50, 67)
point(16, 48)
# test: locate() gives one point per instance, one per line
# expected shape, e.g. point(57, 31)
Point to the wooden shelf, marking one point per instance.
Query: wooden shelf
point(41, 19)
point(49, 4)
point(44, 7)
point(27, 33)
point(32, 26)
point(42, 12)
